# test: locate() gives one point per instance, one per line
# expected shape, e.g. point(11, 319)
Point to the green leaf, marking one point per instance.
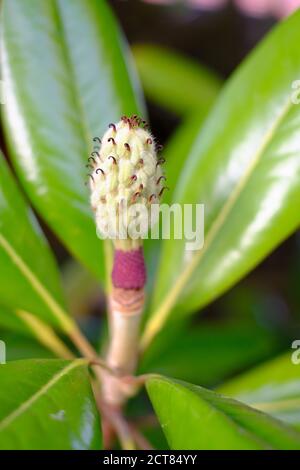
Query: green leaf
point(23, 347)
point(29, 277)
point(195, 418)
point(245, 169)
point(184, 352)
point(11, 321)
point(36, 409)
point(174, 81)
point(68, 75)
point(273, 387)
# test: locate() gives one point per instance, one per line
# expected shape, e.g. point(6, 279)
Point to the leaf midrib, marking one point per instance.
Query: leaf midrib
point(44, 389)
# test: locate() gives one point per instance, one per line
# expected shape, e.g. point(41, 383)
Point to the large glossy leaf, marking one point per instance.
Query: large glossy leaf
point(245, 169)
point(29, 279)
point(67, 75)
point(273, 387)
point(195, 418)
point(175, 81)
point(47, 404)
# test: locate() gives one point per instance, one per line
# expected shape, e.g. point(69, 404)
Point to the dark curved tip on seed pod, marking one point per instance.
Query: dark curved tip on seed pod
point(91, 176)
point(162, 190)
point(141, 161)
point(100, 169)
point(135, 196)
point(92, 158)
point(113, 126)
point(159, 147)
point(141, 187)
point(161, 178)
point(97, 139)
point(153, 196)
point(133, 178)
point(95, 153)
point(149, 141)
point(111, 139)
point(127, 146)
point(161, 161)
point(113, 159)
point(133, 120)
point(89, 166)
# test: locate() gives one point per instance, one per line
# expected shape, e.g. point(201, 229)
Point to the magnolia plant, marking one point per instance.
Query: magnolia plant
point(69, 77)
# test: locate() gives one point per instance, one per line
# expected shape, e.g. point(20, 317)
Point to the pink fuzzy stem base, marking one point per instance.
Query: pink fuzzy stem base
point(129, 270)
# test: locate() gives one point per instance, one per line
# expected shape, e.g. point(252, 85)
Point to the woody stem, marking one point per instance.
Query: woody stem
point(126, 307)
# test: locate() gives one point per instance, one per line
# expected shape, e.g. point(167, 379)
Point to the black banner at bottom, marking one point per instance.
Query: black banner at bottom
point(135, 459)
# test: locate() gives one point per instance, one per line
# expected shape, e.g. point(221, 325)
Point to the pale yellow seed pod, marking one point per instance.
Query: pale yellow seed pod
point(126, 173)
